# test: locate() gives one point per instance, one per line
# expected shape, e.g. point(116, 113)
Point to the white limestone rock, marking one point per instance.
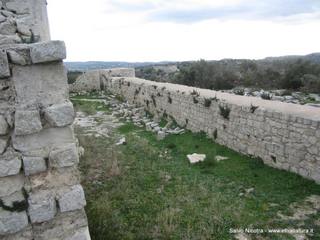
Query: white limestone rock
point(81, 234)
point(65, 156)
point(10, 185)
point(11, 39)
point(20, 7)
point(3, 144)
point(27, 122)
point(43, 141)
point(40, 84)
point(221, 158)
point(42, 206)
point(19, 55)
point(48, 51)
point(34, 165)
point(71, 199)
point(161, 135)
point(195, 158)
point(10, 163)
point(60, 115)
point(23, 26)
point(4, 64)
point(8, 27)
point(4, 127)
point(12, 222)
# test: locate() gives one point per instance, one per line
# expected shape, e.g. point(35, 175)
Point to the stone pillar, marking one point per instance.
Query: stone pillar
point(23, 21)
point(40, 193)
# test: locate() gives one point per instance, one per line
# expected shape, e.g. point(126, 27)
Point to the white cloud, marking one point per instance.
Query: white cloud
point(105, 31)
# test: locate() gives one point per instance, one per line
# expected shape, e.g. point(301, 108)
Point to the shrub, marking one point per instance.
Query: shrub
point(195, 93)
point(253, 108)
point(266, 96)
point(224, 111)
point(207, 102)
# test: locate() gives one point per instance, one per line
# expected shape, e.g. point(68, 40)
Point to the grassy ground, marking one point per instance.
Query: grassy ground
point(146, 189)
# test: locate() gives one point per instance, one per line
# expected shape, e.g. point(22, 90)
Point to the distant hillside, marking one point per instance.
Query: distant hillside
point(85, 66)
point(313, 57)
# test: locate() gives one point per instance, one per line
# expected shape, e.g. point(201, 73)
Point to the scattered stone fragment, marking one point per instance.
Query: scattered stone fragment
point(221, 158)
point(122, 141)
point(195, 158)
point(161, 135)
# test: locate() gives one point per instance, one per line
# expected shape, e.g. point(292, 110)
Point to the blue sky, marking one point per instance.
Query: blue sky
point(155, 30)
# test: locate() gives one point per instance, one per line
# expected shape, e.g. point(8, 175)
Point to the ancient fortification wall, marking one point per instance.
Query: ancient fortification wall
point(95, 80)
point(283, 135)
point(40, 194)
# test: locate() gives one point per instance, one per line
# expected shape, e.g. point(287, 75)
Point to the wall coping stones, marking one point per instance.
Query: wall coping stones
point(302, 111)
point(48, 51)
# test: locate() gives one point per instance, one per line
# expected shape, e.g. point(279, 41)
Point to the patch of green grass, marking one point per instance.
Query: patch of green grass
point(163, 122)
point(89, 107)
point(147, 189)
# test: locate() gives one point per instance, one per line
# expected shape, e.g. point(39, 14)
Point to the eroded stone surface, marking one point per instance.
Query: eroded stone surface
point(12, 222)
point(27, 122)
point(42, 206)
point(4, 127)
point(60, 115)
point(48, 51)
point(4, 65)
point(10, 185)
point(71, 199)
point(33, 165)
point(10, 163)
point(64, 156)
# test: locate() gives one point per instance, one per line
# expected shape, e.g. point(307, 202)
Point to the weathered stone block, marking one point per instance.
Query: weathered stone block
point(10, 185)
point(42, 206)
point(4, 127)
point(65, 156)
point(4, 65)
point(27, 122)
point(10, 163)
point(20, 7)
point(12, 222)
point(3, 145)
point(8, 27)
point(40, 84)
point(72, 199)
point(34, 165)
point(60, 115)
point(48, 51)
point(81, 234)
point(61, 226)
point(43, 141)
point(19, 55)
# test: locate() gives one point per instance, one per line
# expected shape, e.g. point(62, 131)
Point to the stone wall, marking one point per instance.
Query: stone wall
point(283, 135)
point(96, 79)
point(40, 193)
point(23, 21)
